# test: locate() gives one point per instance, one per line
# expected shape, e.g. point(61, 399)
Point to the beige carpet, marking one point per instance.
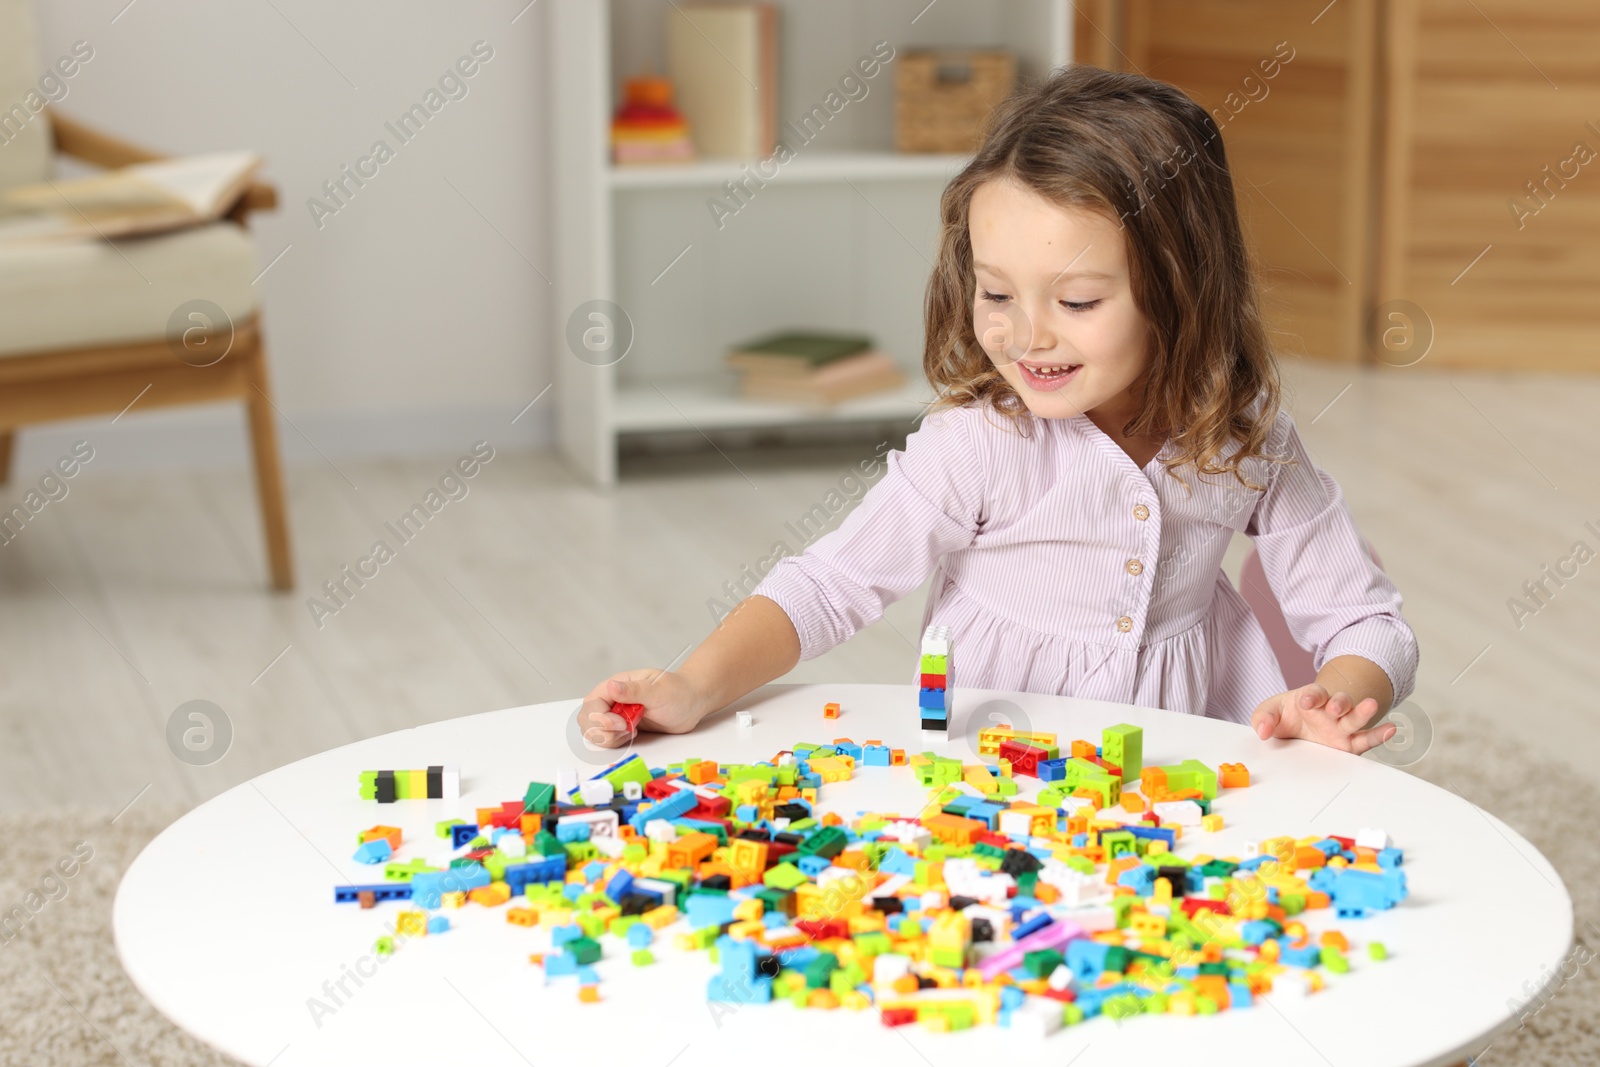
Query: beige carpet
point(66, 1000)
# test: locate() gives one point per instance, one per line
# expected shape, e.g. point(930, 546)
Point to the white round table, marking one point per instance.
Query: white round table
point(226, 921)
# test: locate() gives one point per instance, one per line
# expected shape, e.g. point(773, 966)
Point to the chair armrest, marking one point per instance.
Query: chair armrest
point(84, 142)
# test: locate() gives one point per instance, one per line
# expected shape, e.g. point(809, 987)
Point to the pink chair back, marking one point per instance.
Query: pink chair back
point(1296, 662)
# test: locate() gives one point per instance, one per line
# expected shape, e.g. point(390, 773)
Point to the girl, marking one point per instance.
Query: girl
point(1107, 416)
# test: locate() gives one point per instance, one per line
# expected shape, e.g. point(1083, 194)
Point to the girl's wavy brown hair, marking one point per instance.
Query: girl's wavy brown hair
point(1139, 151)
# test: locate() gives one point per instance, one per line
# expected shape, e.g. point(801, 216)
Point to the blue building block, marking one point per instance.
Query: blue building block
point(640, 936)
point(560, 935)
point(349, 894)
point(1142, 879)
point(620, 885)
point(549, 869)
point(875, 756)
point(1390, 857)
point(428, 887)
point(1086, 960)
point(895, 861)
point(557, 964)
point(680, 803)
point(1355, 893)
point(568, 831)
point(461, 833)
point(1052, 770)
point(1309, 956)
point(375, 851)
point(811, 866)
point(931, 698)
point(709, 909)
point(438, 924)
point(1154, 833)
point(849, 748)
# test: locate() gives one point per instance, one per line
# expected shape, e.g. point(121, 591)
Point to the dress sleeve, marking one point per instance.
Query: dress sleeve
point(929, 502)
point(1336, 601)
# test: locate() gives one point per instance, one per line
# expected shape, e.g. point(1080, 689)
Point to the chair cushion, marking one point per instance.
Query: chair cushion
point(25, 138)
point(78, 294)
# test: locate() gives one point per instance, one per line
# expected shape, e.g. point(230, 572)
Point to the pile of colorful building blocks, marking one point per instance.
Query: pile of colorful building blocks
point(976, 908)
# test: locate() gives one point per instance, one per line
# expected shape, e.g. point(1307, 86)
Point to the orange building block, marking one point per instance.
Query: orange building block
point(830, 711)
point(390, 834)
point(1233, 775)
point(493, 894)
point(1153, 779)
point(954, 829)
point(1132, 803)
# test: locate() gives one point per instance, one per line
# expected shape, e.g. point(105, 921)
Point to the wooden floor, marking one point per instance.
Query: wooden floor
point(139, 592)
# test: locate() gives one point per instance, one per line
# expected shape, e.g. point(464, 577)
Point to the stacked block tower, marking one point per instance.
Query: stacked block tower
point(933, 700)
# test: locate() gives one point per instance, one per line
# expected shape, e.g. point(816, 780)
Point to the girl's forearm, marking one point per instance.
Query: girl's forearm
point(1358, 678)
point(754, 643)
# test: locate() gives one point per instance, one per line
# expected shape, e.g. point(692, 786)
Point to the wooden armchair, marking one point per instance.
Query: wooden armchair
point(84, 328)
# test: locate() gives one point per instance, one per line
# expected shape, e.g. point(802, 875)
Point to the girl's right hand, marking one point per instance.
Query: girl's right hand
point(670, 706)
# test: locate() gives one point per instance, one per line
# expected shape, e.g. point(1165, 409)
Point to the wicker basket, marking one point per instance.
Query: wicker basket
point(943, 96)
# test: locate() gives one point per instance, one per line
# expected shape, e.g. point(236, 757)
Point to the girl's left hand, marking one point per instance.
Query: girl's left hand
point(1311, 714)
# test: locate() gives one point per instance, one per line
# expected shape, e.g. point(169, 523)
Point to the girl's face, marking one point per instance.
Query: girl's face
point(1053, 306)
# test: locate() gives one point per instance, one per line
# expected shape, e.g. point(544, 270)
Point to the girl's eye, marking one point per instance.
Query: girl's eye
point(1085, 306)
point(993, 297)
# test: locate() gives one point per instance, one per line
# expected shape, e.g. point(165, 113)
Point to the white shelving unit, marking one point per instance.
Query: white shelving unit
point(841, 237)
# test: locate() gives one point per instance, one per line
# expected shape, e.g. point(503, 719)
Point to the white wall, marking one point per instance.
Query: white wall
point(409, 322)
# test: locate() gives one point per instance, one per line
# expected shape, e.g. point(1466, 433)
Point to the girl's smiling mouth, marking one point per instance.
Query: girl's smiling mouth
point(1045, 377)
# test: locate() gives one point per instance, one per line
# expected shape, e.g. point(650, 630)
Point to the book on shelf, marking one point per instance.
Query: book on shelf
point(862, 374)
point(140, 198)
point(796, 352)
point(813, 367)
point(723, 61)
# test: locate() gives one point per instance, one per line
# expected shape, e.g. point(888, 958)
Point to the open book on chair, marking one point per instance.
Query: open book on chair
point(142, 198)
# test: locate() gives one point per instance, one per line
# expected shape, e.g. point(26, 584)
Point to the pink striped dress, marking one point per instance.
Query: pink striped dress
point(1062, 567)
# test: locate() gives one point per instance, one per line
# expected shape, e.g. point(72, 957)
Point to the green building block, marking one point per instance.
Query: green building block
point(642, 957)
point(538, 797)
point(402, 872)
point(629, 770)
point(935, 664)
point(384, 946)
point(819, 968)
point(442, 829)
point(1376, 951)
point(584, 949)
point(784, 876)
point(1123, 745)
point(1042, 964)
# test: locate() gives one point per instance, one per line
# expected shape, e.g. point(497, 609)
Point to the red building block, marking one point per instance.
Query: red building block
point(1024, 758)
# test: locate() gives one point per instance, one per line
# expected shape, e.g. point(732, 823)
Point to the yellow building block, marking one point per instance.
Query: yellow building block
point(1211, 823)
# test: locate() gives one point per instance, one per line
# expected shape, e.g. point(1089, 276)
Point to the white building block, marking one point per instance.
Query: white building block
point(1037, 1017)
point(1367, 837)
point(1015, 823)
point(744, 718)
point(597, 791)
point(887, 967)
point(1182, 812)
